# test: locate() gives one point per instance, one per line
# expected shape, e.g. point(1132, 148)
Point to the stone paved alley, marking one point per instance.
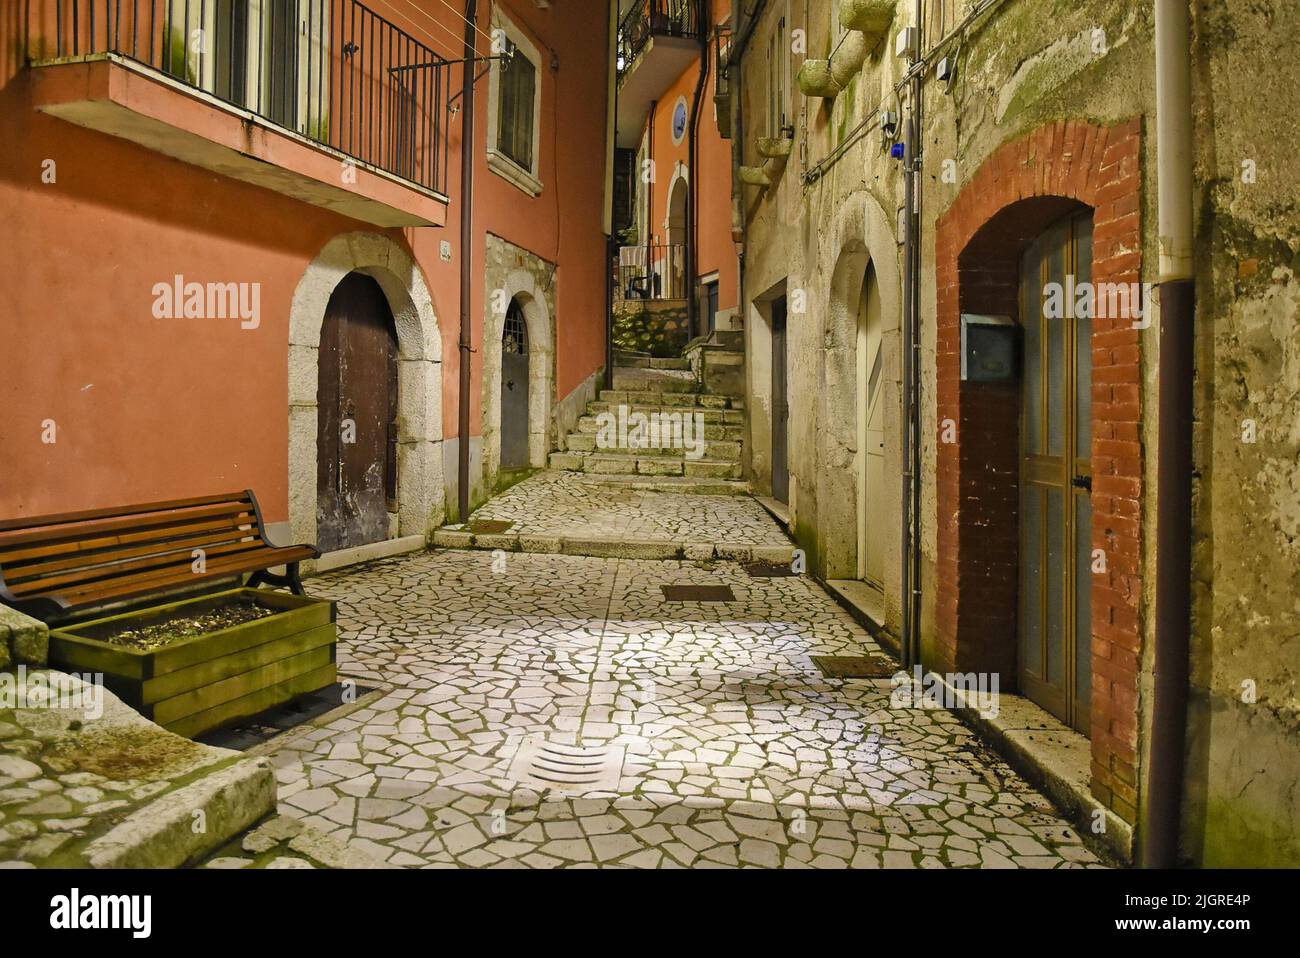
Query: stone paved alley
point(713, 739)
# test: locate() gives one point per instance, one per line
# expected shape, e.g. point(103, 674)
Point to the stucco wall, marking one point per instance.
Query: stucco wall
point(150, 409)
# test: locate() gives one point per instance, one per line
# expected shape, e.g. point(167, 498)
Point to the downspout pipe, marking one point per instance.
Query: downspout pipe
point(467, 156)
point(742, 29)
point(911, 546)
point(702, 26)
point(1159, 825)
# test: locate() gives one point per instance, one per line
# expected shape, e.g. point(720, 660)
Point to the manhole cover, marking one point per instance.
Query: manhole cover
point(854, 667)
point(767, 570)
point(698, 593)
point(571, 768)
point(488, 527)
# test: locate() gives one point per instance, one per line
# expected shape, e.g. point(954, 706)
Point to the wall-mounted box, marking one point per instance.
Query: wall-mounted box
point(990, 349)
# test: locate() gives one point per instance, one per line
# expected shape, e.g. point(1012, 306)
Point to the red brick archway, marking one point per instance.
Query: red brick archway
point(1017, 192)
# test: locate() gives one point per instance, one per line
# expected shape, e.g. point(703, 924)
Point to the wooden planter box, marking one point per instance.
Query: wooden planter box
point(206, 681)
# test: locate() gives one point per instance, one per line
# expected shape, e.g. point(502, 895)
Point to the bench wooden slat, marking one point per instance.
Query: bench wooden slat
point(156, 520)
point(61, 518)
point(17, 572)
point(118, 570)
point(150, 582)
point(75, 546)
point(54, 565)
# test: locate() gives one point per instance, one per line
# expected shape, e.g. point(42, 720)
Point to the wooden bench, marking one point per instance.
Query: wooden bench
point(60, 566)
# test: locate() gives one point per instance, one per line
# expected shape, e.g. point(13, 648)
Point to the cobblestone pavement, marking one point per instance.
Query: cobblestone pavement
point(712, 740)
point(577, 506)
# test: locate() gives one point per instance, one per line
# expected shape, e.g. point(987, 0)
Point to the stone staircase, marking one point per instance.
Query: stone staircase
point(649, 425)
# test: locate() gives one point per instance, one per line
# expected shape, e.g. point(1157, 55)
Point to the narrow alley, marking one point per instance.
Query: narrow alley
point(714, 738)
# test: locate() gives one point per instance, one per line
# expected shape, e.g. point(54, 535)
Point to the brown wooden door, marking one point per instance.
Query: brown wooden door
point(356, 437)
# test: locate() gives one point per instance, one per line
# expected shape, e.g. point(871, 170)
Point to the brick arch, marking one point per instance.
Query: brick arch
point(1016, 193)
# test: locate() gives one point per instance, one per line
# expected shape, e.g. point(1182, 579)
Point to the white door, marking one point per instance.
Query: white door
point(871, 433)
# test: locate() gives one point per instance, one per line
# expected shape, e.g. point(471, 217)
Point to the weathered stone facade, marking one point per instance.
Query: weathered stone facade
point(1057, 100)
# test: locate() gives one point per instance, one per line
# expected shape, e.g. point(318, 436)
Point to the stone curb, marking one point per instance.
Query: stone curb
point(161, 834)
point(601, 548)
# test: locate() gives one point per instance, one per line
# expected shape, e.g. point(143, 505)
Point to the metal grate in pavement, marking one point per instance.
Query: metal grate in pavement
point(543, 764)
point(698, 593)
point(488, 527)
point(854, 666)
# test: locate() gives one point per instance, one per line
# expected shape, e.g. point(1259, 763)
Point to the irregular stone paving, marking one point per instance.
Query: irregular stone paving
point(737, 752)
point(577, 506)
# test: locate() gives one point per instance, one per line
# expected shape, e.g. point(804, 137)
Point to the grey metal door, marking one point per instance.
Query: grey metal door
point(780, 406)
point(514, 389)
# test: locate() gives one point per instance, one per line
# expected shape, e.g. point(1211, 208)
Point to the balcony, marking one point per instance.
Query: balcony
point(657, 41)
point(320, 100)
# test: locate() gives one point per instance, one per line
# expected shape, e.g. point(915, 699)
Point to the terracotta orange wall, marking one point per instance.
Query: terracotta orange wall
point(713, 185)
point(148, 408)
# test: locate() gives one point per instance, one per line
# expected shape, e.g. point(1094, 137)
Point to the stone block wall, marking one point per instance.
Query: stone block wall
point(657, 327)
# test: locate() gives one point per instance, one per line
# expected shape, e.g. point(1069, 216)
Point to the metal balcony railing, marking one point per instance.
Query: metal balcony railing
point(330, 70)
point(651, 18)
point(655, 272)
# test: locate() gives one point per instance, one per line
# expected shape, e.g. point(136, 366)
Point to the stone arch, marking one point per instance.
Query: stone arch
point(859, 234)
point(519, 285)
point(1013, 195)
point(420, 489)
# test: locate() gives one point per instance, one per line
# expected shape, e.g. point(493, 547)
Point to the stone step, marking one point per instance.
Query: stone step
point(662, 380)
point(729, 417)
point(626, 464)
point(715, 431)
point(721, 450)
point(685, 485)
point(670, 398)
point(638, 361)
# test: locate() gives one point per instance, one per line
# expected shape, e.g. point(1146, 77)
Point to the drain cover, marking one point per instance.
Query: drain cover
point(767, 570)
point(567, 768)
point(698, 593)
point(488, 527)
point(854, 667)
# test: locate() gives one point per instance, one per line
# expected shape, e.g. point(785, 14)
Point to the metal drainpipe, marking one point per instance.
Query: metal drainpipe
point(692, 151)
point(911, 643)
point(1159, 825)
point(467, 157)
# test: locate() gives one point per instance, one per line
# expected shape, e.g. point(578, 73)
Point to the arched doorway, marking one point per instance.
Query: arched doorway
point(673, 266)
point(1055, 579)
point(871, 431)
point(356, 410)
point(514, 389)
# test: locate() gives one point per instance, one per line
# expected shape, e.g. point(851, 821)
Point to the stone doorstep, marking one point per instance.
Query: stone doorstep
point(1052, 757)
point(606, 548)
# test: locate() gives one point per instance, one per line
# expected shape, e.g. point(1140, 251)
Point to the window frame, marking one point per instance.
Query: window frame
point(526, 179)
